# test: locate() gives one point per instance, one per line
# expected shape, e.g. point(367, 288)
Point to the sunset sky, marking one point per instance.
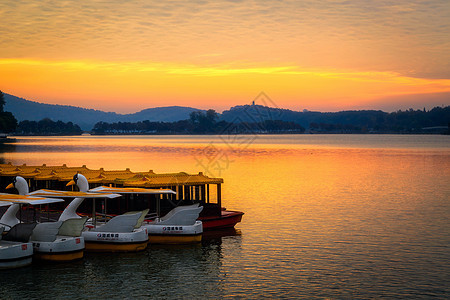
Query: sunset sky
point(126, 56)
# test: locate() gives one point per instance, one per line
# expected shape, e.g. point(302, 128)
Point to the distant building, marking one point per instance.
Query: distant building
point(436, 129)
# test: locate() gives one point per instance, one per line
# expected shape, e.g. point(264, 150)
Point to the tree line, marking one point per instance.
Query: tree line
point(250, 119)
point(408, 121)
point(198, 123)
point(436, 120)
point(47, 127)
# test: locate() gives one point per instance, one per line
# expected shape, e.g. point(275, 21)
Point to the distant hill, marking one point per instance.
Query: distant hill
point(360, 121)
point(34, 111)
point(160, 114)
point(258, 113)
point(86, 118)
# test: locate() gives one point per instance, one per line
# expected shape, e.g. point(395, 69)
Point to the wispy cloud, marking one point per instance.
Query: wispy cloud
point(408, 37)
point(140, 68)
point(218, 70)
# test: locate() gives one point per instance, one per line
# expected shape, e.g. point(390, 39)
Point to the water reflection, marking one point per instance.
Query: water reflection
point(7, 146)
point(359, 217)
point(215, 236)
point(160, 271)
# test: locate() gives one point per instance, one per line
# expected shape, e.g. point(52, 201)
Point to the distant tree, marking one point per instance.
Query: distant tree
point(8, 122)
point(48, 127)
point(212, 115)
point(194, 117)
point(204, 122)
point(2, 101)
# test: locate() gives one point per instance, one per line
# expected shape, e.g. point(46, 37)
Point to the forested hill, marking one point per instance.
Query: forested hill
point(24, 109)
point(35, 111)
point(361, 121)
point(364, 121)
point(260, 119)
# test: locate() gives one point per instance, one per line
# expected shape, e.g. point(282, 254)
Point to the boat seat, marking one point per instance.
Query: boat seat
point(177, 209)
point(141, 218)
point(72, 227)
point(182, 215)
point(20, 232)
point(46, 232)
point(120, 224)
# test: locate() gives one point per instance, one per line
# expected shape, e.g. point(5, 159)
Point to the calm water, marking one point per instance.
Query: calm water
point(326, 216)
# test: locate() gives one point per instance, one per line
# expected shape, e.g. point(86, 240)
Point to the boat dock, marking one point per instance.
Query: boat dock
point(189, 188)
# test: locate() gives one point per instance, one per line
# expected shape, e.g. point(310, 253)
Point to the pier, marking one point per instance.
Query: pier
point(188, 187)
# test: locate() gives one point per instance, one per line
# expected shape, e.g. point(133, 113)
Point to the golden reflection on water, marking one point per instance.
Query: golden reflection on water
point(266, 179)
point(353, 210)
point(266, 176)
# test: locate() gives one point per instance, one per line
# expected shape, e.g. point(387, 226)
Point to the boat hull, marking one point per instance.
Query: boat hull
point(174, 234)
point(115, 247)
point(61, 250)
point(59, 257)
point(15, 255)
point(116, 242)
point(227, 219)
point(175, 239)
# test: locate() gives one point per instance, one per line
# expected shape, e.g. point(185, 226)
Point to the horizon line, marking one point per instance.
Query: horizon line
point(220, 112)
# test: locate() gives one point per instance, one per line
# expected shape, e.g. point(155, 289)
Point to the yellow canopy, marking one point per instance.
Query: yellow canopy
point(104, 189)
point(125, 177)
point(69, 194)
point(25, 199)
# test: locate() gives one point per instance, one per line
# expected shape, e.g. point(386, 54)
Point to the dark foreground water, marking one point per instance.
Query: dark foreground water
point(340, 216)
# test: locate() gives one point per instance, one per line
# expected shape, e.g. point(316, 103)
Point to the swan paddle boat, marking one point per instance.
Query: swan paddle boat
point(179, 226)
point(122, 233)
point(14, 254)
point(53, 241)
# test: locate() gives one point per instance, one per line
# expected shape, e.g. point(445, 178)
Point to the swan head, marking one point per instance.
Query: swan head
point(80, 181)
point(20, 184)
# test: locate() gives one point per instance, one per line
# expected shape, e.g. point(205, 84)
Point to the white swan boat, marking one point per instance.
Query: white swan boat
point(122, 233)
point(54, 241)
point(179, 226)
point(14, 254)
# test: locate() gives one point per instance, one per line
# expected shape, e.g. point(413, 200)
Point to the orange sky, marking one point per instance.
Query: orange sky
point(125, 56)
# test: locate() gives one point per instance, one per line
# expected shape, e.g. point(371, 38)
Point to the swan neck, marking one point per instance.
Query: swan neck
point(9, 217)
point(70, 212)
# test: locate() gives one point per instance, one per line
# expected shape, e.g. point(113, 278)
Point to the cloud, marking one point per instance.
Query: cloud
point(405, 37)
point(127, 86)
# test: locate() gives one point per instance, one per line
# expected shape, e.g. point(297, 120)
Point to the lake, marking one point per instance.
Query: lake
point(326, 216)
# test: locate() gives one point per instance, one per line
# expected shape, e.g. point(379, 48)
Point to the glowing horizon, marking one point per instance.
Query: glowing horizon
point(125, 57)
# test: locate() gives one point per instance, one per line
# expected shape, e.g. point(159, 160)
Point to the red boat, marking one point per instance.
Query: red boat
point(226, 219)
point(214, 216)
